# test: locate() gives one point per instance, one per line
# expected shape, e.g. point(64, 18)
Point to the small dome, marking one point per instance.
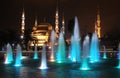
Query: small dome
point(34, 28)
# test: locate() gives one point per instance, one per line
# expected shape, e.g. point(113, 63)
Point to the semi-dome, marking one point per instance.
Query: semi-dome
point(41, 34)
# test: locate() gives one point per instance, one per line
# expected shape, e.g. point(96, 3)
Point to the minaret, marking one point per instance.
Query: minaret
point(63, 24)
point(23, 25)
point(57, 21)
point(97, 25)
point(36, 23)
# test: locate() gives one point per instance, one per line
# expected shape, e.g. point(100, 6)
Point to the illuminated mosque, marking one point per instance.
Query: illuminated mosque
point(41, 32)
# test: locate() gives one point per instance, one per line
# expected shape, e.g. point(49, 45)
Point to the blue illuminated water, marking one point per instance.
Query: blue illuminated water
point(75, 43)
point(72, 54)
point(61, 53)
point(104, 53)
point(118, 56)
point(70, 70)
point(52, 53)
point(94, 49)
point(18, 56)
point(35, 52)
point(9, 54)
point(43, 58)
point(85, 54)
point(119, 51)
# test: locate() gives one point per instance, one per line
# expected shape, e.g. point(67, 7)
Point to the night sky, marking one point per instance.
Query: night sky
point(85, 10)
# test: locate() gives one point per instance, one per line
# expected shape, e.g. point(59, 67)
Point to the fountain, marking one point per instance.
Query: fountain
point(18, 56)
point(77, 40)
point(118, 56)
point(52, 57)
point(94, 49)
point(69, 52)
point(72, 54)
point(43, 59)
point(61, 53)
point(35, 52)
point(85, 54)
point(104, 54)
point(75, 43)
point(9, 54)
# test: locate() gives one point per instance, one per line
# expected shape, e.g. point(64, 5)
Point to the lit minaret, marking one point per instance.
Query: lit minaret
point(35, 26)
point(97, 25)
point(63, 24)
point(36, 21)
point(57, 21)
point(23, 25)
